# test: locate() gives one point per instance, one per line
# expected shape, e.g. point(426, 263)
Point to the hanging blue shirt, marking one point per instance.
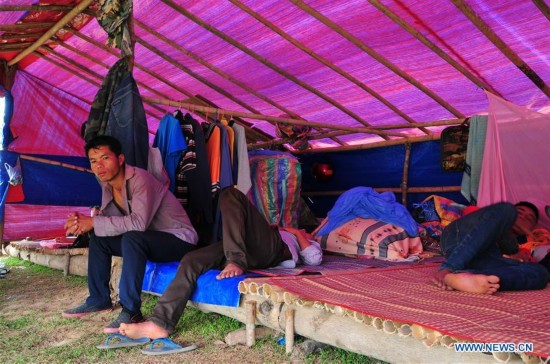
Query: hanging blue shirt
point(171, 143)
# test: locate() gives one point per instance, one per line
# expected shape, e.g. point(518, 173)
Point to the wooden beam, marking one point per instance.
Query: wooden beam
point(324, 61)
point(24, 26)
point(432, 46)
point(20, 36)
point(263, 60)
point(216, 70)
point(545, 10)
point(41, 8)
point(371, 52)
point(501, 45)
point(13, 46)
point(60, 24)
point(405, 178)
point(231, 113)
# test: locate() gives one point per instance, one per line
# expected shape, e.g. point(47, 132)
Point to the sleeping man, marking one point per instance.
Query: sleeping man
point(482, 254)
point(248, 242)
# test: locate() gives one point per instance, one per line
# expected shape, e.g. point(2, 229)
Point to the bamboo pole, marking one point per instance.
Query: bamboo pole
point(501, 45)
point(41, 8)
point(371, 52)
point(14, 46)
point(55, 163)
point(324, 61)
point(250, 323)
point(20, 26)
point(545, 10)
point(405, 180)
point(385, 143)
point(266, 117)
point(21, 36)
point(387, 189)
point(263, 60)
point(60, 24)
point(216, 70)
point(432, 46)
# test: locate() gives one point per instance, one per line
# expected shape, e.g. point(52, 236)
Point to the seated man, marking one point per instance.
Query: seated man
point(474, 245)
point(139, 220)
point(248, 242)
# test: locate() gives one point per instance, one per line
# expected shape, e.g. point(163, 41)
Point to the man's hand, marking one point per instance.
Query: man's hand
point(78, 223)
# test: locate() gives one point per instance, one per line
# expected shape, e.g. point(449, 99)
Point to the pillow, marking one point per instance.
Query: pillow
point(373, 238)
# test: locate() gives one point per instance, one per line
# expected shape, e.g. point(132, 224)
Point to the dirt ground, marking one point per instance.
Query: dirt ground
point(32, 329)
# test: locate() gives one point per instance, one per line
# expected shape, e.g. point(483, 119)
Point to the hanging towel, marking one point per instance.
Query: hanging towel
point(474, 157)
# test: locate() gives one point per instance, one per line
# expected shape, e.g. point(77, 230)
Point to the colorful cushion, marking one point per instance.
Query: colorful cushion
point(368, 237)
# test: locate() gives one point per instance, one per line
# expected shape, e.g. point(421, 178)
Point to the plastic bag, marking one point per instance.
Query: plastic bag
point(14, 173)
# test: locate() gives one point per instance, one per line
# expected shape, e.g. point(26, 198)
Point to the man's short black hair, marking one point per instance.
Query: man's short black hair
point(104, 140)
point(531, 206)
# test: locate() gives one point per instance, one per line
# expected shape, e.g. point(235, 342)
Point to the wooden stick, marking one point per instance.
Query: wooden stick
point(371, 52)
point(55, 163)
point(543, 8)
point(502, 46)
point(272, 118)
point(250, 323)
point(371, 145)
point(388, 189)
point(289, 330)
point(60, 24)
point(432, 46)
point(14, 46)
point(21, 36)
point(324, 61)
point(67, 264)
point(405, 174)
point(19, 26)
point(263, 60)
point(41, 8)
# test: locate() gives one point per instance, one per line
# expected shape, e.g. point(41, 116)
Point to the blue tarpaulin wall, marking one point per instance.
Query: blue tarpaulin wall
point(378, 167)
point(47, 184)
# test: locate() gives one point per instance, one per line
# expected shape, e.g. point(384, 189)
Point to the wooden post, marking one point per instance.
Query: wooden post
point(289, 330)
point(405, 174)
point(67, 263)
point(250, 323)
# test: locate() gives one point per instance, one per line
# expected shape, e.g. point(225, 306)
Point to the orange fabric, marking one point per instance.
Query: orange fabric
point(213, 155)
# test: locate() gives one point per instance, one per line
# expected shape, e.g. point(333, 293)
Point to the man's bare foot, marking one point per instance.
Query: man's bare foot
point(473, 283)
point(439, 279)
point(143, 329)
point(230, 270)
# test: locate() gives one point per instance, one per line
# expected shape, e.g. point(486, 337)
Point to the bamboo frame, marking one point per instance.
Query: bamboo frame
point(15, 46)
point(263, 60)
point(325, 61)
point(231, 113)
point(501, 45)
point(212, 68)
point(545, 10)
point(371, 52)
point(60, 24)
point(21, 36)
point(432, 46)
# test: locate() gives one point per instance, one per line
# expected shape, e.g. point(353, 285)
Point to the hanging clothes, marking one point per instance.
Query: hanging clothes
point(242, 165)
point(212, 136)
point(193, 185)
point(171, 143)
point(226, 173)
point(474, 157)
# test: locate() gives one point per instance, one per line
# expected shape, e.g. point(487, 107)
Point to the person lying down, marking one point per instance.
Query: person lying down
point(248, 242)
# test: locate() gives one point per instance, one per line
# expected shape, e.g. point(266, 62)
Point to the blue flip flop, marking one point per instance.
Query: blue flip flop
point(166, 346)
point(116, 341)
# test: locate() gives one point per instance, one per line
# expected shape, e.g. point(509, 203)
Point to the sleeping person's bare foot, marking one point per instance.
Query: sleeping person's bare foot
point(230, 270)
point(474, 283)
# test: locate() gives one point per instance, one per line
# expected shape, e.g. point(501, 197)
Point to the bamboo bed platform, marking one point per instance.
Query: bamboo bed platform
point(361, 326)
